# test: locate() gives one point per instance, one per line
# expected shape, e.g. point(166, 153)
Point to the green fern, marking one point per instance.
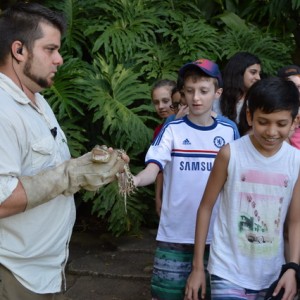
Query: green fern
point(273, 53)
point(76, 135)
point(62, 96)
point(131, 22)
point(77, 16)
point(108, 203)
point(158, 60)
point(241, 37)
point(194, 38)
point(67, 99)
point(280, 17)
point(122, 104)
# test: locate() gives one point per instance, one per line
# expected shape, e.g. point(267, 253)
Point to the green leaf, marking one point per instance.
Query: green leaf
point(233, 21)
point(62, 96)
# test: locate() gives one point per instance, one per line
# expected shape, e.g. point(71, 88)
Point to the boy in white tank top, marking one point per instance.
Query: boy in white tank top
point(257, 177)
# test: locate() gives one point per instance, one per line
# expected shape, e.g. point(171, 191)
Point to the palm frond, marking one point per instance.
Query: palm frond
point(176, 9)
point(121, 102)
point(130, 23)
point(158, 60)
point(108, 203)
point(74, 40)
point(66, 96)
point(76, 135)
point(272, 52)
point(194, 38)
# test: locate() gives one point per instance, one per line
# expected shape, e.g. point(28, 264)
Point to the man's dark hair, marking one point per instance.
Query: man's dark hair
point(21, 23)
point(273, 94)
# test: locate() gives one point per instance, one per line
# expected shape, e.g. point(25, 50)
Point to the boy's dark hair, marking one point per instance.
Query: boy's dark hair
point(289, 70)
point(233, 82)
point(163, 82)
point(21, 23)
point(273, 94)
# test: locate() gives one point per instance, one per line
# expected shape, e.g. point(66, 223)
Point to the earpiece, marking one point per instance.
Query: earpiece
point(20, 50)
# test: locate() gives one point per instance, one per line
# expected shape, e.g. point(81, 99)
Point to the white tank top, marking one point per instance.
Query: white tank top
point(248, 247)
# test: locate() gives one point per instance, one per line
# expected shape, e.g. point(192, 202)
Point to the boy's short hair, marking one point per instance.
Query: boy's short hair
point(273, 94)
point(287, 71)
point(204, 67)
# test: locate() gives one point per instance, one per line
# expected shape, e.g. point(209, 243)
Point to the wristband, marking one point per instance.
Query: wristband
point(291, 265)
point(284, 268)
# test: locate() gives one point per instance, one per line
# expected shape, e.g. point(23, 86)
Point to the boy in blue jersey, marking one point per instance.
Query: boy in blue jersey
point(185, 150)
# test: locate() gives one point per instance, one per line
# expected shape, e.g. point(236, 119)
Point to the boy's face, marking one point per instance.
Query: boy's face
point(270, 130)
point(161, 99)
point(199, 94)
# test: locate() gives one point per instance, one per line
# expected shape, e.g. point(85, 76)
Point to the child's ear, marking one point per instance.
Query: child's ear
point(248, 117)
point(219, 92)
point(297, 120)
point(295, 123)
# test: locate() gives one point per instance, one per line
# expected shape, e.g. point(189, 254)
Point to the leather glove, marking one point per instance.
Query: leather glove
point(90, 171)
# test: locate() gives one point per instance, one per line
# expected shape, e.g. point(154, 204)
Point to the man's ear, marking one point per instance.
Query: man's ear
point(17, 50)
point(248, 117)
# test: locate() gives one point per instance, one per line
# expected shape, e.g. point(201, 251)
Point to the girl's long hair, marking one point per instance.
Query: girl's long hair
point(233, 82)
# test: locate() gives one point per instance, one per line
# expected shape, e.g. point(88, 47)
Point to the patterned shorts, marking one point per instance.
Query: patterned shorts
point(226, 290)
point(172, 266)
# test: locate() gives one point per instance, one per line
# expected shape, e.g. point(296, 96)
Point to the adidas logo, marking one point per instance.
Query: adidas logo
point(186, 142)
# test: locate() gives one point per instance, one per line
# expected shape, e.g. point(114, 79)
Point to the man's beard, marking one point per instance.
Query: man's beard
point(42, 82)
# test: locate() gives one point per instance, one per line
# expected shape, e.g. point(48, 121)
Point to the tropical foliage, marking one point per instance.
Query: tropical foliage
point(115, 50)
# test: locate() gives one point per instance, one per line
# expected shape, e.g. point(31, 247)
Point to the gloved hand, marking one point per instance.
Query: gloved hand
point(90, 171)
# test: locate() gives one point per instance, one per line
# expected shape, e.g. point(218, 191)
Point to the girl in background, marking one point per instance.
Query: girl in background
point(241, 71)
point(161, 96)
